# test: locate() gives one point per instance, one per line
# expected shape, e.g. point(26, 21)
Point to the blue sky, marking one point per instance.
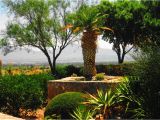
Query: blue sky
point(2, 8)
point(4, 18)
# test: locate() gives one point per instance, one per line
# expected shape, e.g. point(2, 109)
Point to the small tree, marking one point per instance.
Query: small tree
point(126, 19)
point(88, 20)
point(40, 24)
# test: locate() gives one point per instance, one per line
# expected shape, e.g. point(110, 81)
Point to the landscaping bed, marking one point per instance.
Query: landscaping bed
point(79, 84)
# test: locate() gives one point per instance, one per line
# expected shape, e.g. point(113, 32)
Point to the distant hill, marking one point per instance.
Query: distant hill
point(71, 54)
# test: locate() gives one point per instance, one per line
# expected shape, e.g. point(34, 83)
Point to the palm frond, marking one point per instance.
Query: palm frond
point(106, 28)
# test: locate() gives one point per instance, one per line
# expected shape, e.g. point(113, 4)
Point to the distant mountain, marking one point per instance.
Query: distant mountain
point(71, 54)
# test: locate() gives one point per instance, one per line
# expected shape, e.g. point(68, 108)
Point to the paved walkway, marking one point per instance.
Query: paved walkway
point(8, 117)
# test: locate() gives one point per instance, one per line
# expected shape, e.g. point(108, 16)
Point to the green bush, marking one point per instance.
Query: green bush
point(147, 72)
point(100, 68)
point(61, 71)
point(64, 104)
point(116, 70)
point(68, 70)
point(71, 69)
point(130, 100)
point(100, 76)
point(22, 91)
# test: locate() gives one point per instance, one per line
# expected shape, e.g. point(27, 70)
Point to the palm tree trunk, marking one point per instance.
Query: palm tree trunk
point(89, 46)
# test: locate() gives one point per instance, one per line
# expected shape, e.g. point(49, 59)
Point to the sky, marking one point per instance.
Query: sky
point(4, 18)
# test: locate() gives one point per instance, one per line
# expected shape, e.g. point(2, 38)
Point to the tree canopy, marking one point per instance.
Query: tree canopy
point(152, 21)
point(126, 19)
point(40, 24)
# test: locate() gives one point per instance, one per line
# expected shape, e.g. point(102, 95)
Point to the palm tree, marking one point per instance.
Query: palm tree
point(88, 20)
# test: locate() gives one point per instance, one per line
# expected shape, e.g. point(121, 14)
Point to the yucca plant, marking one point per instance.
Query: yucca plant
point(133, 104)
point(104, 102)
point(82, 113)
point(89, 21)
point(137, 112)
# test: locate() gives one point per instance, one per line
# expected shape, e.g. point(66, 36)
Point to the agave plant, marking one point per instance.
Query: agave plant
point(104, 102)
point(82, 113)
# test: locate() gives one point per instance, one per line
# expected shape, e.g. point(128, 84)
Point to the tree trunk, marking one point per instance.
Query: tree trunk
point(51, 65)
point(54, 72)
point(89, 46)
point(120, 57)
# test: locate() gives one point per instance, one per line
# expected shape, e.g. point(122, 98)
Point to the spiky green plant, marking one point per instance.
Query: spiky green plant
point(133, 103)
point(82, 113)
point(103, 102)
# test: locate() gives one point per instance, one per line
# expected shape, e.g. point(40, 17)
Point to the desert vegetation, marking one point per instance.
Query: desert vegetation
point(50, 26)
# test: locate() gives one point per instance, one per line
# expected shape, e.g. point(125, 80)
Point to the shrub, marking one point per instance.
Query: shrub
point(116, 70)
point(148, 76)
point(64, 104)
point(70, 69)
point(22, 91)
point(100, 68)
point(100, 76)
point(61, 71)
point(132, 102)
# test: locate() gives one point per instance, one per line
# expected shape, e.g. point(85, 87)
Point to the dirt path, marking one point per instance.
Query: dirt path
point(8, 117)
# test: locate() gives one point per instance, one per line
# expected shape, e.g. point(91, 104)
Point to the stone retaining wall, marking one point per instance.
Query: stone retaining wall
point(69, 84)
